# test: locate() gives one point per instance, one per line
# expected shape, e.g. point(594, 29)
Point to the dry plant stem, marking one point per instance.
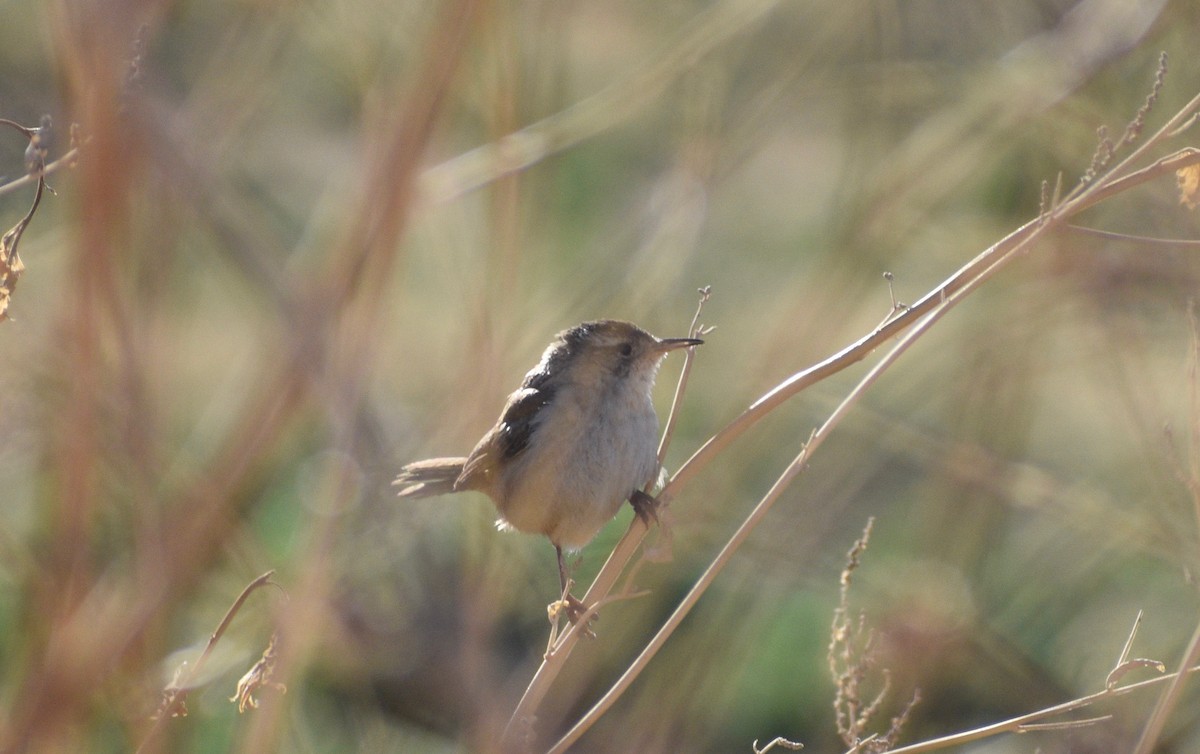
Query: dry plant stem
point(858, 747)
point(229, 614)
point(1125, 665)
point(962, 282)
point(13, 236)
point(1017, 724)
point(857, 351)
point(1140, 240)
point(779, 741)
point(1064, 725)
point(51, 167)
point(1170, 695)
point(1112, 181)
point(199, 512)
point(1191, 479)
point(1168, 699)
point(1123, 659)
point(681, 385)
point(304, 617)
point(357, 281)
point(175, 696)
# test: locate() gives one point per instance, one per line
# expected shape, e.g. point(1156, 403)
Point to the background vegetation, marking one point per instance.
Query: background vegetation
point(282, 267)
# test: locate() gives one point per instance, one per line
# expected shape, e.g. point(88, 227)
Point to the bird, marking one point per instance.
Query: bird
point(573, 442)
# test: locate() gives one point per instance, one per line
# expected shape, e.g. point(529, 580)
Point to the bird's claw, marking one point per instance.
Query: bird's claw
point(575, 610)
point(645, 507)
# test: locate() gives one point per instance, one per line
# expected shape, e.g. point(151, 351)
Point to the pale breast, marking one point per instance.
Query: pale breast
point(570, 487)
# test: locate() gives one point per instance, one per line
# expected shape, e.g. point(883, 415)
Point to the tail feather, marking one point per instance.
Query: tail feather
point(435, 476)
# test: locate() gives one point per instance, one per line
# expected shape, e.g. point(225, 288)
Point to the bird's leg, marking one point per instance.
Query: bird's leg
point(562, 571)
point(645, 506)
point(573, 605)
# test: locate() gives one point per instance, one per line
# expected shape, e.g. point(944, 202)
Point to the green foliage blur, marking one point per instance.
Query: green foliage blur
point(230, 335)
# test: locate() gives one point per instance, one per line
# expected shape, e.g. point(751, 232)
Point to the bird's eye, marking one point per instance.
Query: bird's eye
point(625, 349)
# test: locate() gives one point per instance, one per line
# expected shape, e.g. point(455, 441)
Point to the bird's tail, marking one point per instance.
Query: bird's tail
point(435, 476)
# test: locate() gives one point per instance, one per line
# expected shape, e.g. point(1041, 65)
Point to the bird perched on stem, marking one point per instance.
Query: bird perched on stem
point(574, 441)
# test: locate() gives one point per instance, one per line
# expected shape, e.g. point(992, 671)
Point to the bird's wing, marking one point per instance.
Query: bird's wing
point(508, 438)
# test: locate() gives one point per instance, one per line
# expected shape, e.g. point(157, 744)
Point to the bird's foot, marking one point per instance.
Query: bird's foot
point(575, 610)
point(645, 507)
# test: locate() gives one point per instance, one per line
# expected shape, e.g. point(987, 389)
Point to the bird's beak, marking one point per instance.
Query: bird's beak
point(670, 344)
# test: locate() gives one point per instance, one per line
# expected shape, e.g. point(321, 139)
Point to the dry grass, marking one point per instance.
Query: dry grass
point(291, 247)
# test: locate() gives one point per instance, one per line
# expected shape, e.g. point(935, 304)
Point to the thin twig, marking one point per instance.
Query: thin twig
point(1169, 698)
point(1191, 479)
point(1137, 622)
point(177, 691)
point(1014, 724)
point(689, 356)
point(1064, 725)
point(1125, 664)
point(66, 160)
point(1140, 240)
point(858, 747)
point(779, 741)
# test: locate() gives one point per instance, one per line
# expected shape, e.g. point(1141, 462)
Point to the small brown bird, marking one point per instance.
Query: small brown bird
point(574, 441)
